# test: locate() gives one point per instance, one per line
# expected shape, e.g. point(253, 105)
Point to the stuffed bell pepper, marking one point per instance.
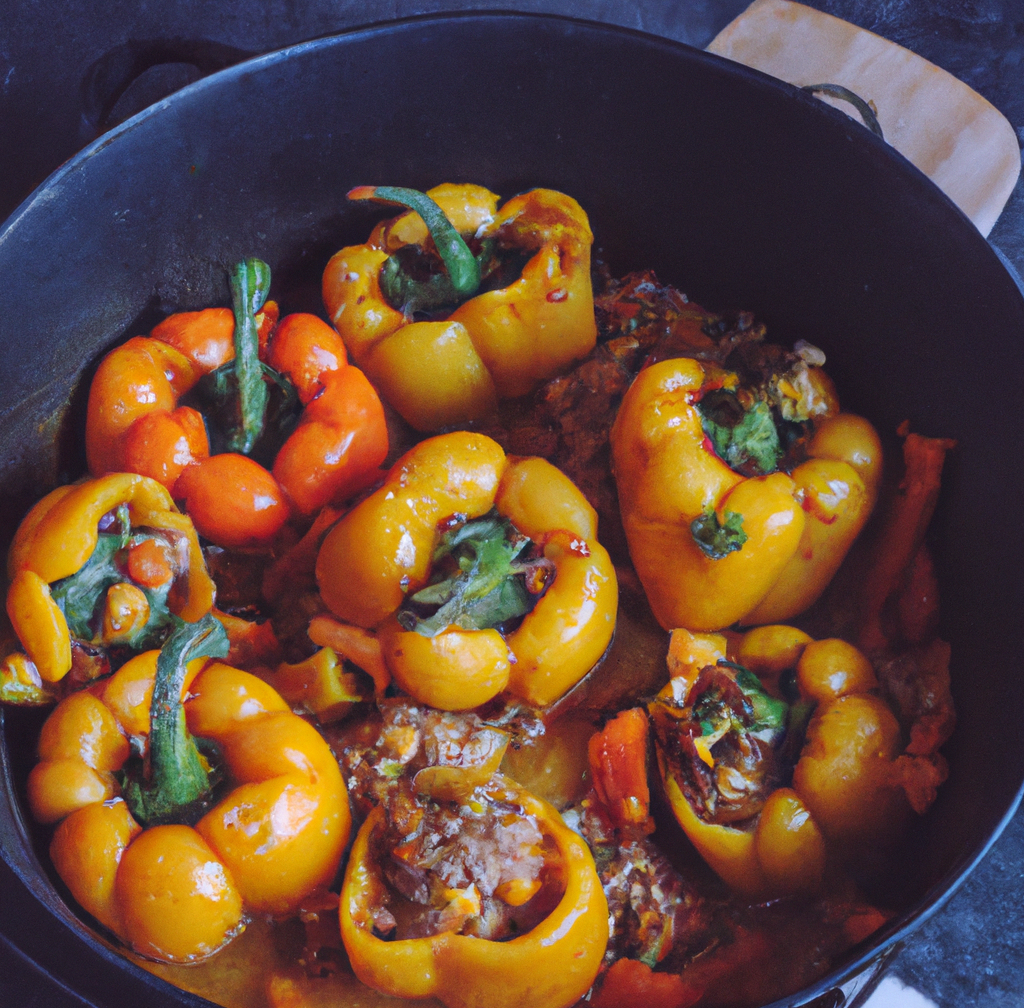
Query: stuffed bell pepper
point(478, 572)
point(777, 756)
point(242, 418)
point(461, 885)
point(740, 494)
point(457, 302)
point(188, 796)
point(100, 570)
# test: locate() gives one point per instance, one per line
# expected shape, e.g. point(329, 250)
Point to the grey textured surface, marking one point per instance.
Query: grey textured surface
point(971, 953)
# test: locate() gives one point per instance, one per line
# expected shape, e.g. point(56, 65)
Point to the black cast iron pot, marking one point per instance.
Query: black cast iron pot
point(743, 191)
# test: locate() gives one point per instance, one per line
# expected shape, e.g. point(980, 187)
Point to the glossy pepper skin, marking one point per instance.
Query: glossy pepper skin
point(58, 536)
point(838, 487)
point(798, 526)
point(172, 892)
point(498, 343)
point(382, 549)
point(551, 966)
point(341, 438)
point(844, 800)
point(134, 422)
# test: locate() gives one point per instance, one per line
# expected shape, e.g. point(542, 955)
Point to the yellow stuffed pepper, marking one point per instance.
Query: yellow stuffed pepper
point(725, 520)
point(545, 881)
point(443, 328)
point(143, 843)
point(107, 563)
point(480, 573)
point(725, 741)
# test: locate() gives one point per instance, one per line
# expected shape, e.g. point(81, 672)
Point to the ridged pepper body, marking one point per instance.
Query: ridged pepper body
point(797, 527)
point(174, 892)
point(58, 537)
point(844, 800)
point(550, 966)
point(380, 552)
point(498, 343)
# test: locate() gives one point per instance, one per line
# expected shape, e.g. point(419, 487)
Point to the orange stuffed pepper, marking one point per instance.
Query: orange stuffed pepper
point(144, 843)
point(726, 740)
point(479, 572)
point(548, 962)
point(726, 521)
point(458, 303)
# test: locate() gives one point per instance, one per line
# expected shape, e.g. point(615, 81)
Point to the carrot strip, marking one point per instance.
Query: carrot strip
point(359, 646)
point(630, 983)
point(298, 563)
point(618, 768)
point(902, 533)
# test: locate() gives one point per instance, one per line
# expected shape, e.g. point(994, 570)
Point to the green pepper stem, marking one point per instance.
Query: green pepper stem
point(250, 284)
point(463, 269)
point(178, 778)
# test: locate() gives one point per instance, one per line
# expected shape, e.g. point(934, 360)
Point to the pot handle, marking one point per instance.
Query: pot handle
point(856, 991)
point(131, 76)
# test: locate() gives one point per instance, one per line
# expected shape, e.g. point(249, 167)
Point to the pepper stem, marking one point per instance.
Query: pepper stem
point(178, 777)
point(463, 269)
point(250, 284)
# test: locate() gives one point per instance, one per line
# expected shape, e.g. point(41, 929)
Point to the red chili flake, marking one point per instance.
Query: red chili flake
point(454, 521)
point(558, 295)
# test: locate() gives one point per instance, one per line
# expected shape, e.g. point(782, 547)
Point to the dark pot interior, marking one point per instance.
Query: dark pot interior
point(742, 191)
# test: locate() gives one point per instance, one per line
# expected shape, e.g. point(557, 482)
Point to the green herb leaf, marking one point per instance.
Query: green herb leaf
point(81, 596)
point(485, 583)
point(718, 540)
point(770, 713)
point(745, 439)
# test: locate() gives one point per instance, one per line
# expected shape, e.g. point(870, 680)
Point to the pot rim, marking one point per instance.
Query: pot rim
point(40, 887)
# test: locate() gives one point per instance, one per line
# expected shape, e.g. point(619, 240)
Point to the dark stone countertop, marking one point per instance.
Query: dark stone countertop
point(56, 55)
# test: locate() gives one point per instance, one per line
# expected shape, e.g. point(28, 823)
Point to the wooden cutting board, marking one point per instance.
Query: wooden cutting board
point(956, 137)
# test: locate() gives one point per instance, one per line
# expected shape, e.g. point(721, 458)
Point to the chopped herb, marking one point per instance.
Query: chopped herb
point(770, 713)
point(390, 768)
point(746, 439)
point(480, 581)
point(718, 540)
